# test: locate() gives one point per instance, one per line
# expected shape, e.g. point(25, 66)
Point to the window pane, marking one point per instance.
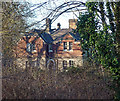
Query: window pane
point(64, 64)
point(33, 47)
point(50, 46)
point(65, 45)
point(70, 45)
point(71, 63)
point(28, 47)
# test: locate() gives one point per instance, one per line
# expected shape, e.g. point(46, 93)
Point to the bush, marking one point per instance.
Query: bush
point(73, 70)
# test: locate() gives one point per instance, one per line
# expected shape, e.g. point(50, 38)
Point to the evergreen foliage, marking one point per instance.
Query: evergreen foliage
point(101, 39)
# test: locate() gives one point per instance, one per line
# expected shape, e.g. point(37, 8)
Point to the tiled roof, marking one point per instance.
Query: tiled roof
point(59, 34)
point(56, 35)
point(75, 36)
point(45, 36)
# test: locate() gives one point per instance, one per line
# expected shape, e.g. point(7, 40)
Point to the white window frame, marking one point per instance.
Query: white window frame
point(65, 46)
point(28, 47)
point(33, 48)
point(71, 63)
point(50, 48)
point(70, 45)
point(64, 64)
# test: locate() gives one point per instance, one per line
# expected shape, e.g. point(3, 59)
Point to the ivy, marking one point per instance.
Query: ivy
point(98, 42)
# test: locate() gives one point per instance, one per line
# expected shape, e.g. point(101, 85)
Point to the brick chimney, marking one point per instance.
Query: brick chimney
point(72, 23)
point(48, 25)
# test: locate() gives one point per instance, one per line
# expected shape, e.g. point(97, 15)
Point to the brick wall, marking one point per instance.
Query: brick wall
point(58, 54)
point(38, 56)
point(76, 48)
point(22, 45)
point(75, 54)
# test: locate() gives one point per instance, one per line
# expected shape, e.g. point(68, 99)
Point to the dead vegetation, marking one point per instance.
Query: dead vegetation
point(86, 83)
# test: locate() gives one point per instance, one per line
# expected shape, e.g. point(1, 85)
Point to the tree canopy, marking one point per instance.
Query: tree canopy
point(100, 37)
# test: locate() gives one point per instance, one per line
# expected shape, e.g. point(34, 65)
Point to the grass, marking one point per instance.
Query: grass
point(86, 83)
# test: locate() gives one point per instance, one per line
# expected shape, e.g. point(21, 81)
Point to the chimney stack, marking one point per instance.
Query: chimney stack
point(72, 23)
point(48, 25)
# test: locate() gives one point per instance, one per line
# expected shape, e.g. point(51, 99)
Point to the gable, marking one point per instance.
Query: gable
point(21, 48)
point(70, 36)
point(30, 40)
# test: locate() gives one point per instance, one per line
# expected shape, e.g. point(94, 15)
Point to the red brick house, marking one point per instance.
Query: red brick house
point(54, 48)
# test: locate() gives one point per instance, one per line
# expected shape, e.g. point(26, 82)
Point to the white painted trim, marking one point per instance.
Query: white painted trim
point(71, 50)
point(76, 42)
point(65, 50)
point(50, 50)
point(34, 50)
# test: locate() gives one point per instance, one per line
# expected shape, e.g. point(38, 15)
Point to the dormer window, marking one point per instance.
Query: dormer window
point(50, 48)
point(65, 46)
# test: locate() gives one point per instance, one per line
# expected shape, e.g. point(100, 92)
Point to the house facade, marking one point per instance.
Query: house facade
point(52, 49)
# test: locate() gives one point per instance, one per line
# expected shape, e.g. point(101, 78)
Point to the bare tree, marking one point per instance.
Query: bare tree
point(13, 23)
point(54, 12)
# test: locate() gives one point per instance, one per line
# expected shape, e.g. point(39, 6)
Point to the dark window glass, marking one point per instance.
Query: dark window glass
point(70, 45)
point(50, 48)
point(28, 47)
point(65, 45)
point(64, 64)
point(33, 47)
point(71, 63)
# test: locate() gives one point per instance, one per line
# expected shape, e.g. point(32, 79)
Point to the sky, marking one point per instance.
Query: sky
point(63, 19)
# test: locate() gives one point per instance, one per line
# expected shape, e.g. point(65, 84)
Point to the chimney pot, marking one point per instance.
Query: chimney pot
point(58, 25)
